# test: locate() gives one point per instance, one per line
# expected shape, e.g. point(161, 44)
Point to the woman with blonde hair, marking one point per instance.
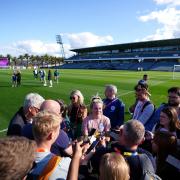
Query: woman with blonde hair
point(113, 167)
point(77, 111)
point(96, 119)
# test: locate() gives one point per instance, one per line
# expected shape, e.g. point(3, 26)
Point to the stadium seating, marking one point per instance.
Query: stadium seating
point(127, 65)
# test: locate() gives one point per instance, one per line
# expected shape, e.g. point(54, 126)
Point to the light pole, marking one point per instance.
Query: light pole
point(59, 41)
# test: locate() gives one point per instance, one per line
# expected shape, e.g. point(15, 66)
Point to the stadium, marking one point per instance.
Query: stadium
point(90, 69)
point(159, 55)
point(90, 90)
point(94, 67)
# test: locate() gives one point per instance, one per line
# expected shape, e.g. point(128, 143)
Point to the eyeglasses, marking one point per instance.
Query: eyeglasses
point(36, 109)
point(138, 90)
point(173, 97)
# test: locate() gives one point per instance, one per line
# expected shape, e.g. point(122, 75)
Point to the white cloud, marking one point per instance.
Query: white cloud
point(87, 39)
point(168, 16)
point(37, 47)
point(171, 2)
point(34, 47)
point(169, 19)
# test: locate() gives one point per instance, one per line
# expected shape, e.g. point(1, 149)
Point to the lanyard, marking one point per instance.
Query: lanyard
point(110, 103)
point(41, 150)
point(130, 154)
point(126, 153)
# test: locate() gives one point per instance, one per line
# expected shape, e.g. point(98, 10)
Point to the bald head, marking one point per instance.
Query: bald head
point(50, 106)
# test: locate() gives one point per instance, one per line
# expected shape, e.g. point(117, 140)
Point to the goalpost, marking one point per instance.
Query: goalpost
point(176, 71)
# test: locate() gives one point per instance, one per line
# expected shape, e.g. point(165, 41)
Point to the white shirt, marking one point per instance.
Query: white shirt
point(144, 115)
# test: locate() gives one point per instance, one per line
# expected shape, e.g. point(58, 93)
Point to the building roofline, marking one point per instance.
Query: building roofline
point(143, 44)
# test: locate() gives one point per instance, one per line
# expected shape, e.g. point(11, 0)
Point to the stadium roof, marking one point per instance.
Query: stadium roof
point(156, 43)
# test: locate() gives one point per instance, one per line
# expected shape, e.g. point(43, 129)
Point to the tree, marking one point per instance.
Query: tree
point(38, 60)
point(46, 59)
point(21, 58)
point(9, 58)
point(14, 59)
point(42, 60)
point(53, 60)
point(33, 59)
point(26, 56)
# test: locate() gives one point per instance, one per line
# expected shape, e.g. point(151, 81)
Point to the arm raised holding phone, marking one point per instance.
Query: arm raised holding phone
point(78, 152)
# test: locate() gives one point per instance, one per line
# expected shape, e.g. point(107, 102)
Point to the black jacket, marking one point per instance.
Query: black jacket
point(17, 123)
point(133, 160)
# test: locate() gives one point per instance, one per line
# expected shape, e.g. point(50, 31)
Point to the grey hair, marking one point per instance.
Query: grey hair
point(133, 132)
point(79, 94)
point(112, 87)
point(33, 100)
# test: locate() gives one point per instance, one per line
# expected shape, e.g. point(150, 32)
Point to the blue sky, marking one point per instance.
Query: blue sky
point(30, 26)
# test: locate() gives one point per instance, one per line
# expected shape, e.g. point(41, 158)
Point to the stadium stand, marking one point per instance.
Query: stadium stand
point(159, 55)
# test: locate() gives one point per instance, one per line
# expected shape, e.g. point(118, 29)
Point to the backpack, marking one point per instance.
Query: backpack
point(152, 120)
point(147, 168)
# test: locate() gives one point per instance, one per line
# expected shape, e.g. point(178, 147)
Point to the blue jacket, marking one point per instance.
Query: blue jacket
point(114, 110)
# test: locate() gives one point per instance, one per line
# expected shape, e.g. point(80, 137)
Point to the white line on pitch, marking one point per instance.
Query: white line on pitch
point(4, 130)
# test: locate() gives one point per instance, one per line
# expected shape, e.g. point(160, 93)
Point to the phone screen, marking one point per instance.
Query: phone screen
point(93, 145)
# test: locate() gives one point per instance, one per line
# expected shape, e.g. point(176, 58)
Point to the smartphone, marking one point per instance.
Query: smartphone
point(92, 132)
point(114, 135)
point(93, 145)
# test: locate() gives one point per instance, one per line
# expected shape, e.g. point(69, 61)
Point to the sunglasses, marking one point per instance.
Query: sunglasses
point(138, 90)
point(72, 97)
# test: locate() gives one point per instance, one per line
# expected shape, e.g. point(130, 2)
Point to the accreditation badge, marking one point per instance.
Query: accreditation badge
point(113, 108)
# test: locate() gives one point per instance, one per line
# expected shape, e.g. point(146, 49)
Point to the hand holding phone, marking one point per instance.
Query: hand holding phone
point(148, 135)
point(93, 145)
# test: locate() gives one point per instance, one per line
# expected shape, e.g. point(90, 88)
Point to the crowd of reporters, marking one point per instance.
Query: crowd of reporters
point(60, 137)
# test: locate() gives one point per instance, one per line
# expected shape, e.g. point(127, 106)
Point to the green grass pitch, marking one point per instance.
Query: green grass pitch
point(89, 82)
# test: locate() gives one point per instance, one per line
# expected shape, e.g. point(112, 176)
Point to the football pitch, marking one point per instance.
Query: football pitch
point(89, 82)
